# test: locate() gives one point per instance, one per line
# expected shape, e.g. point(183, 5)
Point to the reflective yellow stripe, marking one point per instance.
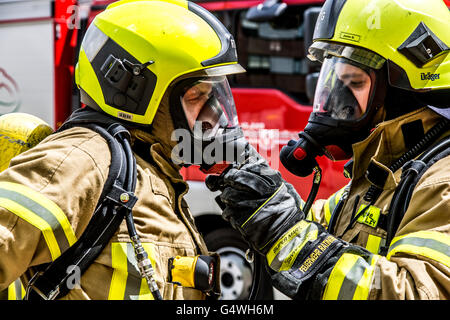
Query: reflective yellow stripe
point(120, 274)
point(283, 253)
point(373, 243)
point(290, 258)
point(41, 212)
point(431, 244)
point(126, 282)
point(12, 291)
point(16, 291)
point(36, 221)
point(350, 278)
point(337, 276)
point(362, 290)
point(339, 195)
point(262, 205)
point(331, 204)
point(327, 211)
point(144, 292)
point(285, 239)
point(310, 215)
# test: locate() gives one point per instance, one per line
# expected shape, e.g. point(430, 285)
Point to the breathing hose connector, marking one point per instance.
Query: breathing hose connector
point(145, 267)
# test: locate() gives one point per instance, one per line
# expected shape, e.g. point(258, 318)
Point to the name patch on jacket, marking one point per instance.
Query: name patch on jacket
point(370, 217)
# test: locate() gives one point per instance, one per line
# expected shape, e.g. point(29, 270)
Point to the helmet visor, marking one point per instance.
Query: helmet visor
point(343, 89)
point(208, 106)
point(320, 50)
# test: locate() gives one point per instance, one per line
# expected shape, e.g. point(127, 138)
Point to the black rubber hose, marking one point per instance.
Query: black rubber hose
point(130, 184)
point(314, 189)
point(401, 199)
point(374, 192)
point(256, 279)
point(427, 158)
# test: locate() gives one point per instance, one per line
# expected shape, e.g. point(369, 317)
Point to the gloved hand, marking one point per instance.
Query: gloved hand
point(266, 210)
point(257, 202)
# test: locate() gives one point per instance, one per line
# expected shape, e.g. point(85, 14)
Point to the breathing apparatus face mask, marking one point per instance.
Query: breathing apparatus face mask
point(206, 123)
point(342, 91)
point(343, 110)
point(208, 107)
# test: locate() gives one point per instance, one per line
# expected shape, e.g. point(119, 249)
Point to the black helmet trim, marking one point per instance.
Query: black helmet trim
point(126, 83)
point(422, 46)
point(228, 46)
point(398, 78)
point(327, 19)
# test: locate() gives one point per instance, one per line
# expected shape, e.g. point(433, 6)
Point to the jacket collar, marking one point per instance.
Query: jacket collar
point(152, 150)
point(171, 170)
point(386, 144)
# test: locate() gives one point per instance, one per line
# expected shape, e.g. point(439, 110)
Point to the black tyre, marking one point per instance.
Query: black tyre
point(236, 273)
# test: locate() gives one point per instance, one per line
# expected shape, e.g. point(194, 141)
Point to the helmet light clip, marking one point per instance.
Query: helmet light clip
point(126, 77)
point(136, 67)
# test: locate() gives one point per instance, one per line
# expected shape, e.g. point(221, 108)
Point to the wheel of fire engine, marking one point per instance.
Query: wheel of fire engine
point(236, 273)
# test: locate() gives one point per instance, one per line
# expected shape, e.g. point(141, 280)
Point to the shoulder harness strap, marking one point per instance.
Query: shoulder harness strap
point(412, 171)
point(116, 200)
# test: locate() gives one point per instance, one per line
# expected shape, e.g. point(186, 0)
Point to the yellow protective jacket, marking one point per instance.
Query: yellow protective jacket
point(48, 195)
point(417, 265)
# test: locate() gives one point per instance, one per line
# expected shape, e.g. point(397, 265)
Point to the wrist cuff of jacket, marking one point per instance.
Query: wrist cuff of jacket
point(351, 277)
point(306, 251)
point(303, 249)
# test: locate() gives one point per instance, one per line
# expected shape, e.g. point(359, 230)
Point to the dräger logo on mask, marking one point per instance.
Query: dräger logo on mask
point(429, 76)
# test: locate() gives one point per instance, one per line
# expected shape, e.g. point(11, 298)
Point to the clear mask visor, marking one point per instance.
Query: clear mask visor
point(343, 89)
point(209, 106)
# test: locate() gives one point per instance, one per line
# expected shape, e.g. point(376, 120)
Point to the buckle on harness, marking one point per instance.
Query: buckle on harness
point(31, 287)
point(122, 197)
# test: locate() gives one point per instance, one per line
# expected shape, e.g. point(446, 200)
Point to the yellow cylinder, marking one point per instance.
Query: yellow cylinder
point(18, 133)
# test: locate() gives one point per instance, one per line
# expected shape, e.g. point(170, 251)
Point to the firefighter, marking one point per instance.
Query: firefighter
point(152, 67)
point(382, 101)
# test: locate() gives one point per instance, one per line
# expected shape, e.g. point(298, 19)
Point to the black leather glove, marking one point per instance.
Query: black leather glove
point(257, 202)
point(265, 209)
